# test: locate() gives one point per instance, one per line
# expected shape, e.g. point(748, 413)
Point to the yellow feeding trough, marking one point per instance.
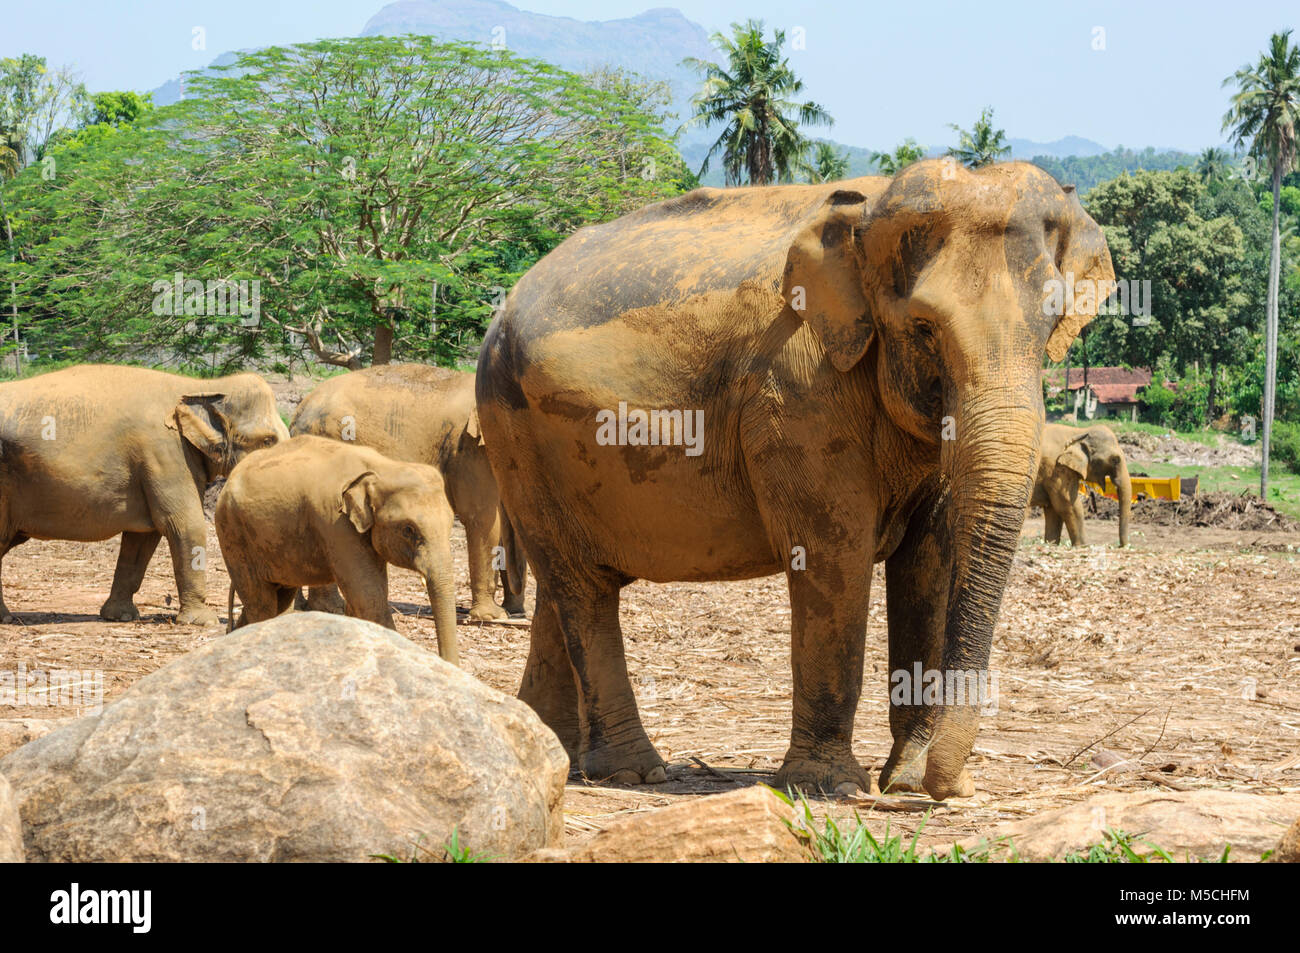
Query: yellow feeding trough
point(1153, 488)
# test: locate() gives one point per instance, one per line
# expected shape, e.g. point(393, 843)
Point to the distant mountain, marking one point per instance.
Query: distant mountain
point(653, 44)
point(1069, 146)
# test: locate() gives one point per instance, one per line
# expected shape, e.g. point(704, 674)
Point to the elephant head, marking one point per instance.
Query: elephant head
point(1094, 455)
point(939, 294)
point(228, 422)
point(406, 513)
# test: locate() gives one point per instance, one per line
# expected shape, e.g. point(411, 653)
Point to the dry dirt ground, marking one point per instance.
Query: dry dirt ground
point(1182, 652)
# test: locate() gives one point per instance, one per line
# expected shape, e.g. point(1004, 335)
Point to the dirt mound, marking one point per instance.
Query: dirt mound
point(1220, 509)
point(1140, 447)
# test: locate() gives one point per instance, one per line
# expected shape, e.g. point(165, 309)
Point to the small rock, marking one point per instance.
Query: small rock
point(1287, 850)
point(1194, 824)
point(16, 732)
point(11, 828)
point(743, 826)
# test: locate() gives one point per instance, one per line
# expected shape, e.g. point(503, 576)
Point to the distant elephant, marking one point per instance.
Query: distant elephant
point(316, 512)
point(426, 415)
point(92, 451)
point(1068, 455)
point(802, 378)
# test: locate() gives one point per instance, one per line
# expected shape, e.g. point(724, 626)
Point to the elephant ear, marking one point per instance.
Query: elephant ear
point(823, 278)
point(1087, 256)
point(356, 501)
point(198, 419)
point(1073, 458)
point(471, 426)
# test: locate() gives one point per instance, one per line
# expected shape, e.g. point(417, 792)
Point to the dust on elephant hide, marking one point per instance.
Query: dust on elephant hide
point(427, 415)
point(92, 451)
point(823, 340)
point(1066, 456)
point(316, 512)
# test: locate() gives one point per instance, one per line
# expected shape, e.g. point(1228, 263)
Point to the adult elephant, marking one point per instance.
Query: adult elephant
point(1068, 455)
point(426, 414)
point(92, 451)
point(861, 361)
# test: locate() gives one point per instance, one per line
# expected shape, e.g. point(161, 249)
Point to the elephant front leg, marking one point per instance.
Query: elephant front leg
point(917, 582)
point(132, 562)
point(828, 604)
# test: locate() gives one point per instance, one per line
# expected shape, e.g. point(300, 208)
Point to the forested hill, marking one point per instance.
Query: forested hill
point(1086, 171)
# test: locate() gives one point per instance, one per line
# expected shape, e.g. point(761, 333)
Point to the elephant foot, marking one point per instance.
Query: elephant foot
point(325, 599)
point(487, 612)
point(943, 785)
point(196, 615)
point(624, 764)
point(119, 610)
point(909, 771)
point(515, 608)
point(840, 775)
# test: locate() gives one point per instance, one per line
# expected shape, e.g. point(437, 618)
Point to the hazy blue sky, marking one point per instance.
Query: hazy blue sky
point(884, 70)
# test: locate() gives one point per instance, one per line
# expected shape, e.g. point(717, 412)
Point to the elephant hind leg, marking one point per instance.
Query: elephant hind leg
point(615, 745)
point(6, 545)
point(548, 685)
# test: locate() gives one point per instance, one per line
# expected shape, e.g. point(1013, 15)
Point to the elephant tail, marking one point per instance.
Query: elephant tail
point(230, 607)
point(516, 560)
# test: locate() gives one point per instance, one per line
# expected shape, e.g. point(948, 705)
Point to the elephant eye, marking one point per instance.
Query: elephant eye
point(269, 442)
point(410, 532)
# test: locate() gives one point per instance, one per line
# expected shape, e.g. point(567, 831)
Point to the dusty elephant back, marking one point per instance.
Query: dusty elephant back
point(408, 412)
point(653, 257)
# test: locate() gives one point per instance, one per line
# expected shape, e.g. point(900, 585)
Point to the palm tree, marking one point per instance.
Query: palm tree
point(982, 145)
point(1213, 166)
point(903, 155)
point(753, 96)
point(1263, 117)
point(828, 164)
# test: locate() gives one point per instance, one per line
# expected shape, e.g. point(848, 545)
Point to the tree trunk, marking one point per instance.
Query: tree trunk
point(1270, 331)
point(383, 344)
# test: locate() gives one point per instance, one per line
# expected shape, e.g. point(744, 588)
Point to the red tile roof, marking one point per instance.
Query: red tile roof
point(1110, 384)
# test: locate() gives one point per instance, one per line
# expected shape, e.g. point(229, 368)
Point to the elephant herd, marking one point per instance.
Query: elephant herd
point(805, 379)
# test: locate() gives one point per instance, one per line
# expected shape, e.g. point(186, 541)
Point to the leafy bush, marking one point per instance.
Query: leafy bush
point(1285, 445)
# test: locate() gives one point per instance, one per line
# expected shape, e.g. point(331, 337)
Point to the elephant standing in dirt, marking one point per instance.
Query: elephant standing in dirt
point(427, 415)
point(805, 378)
point(1068, 455)
point(93, 451)
point(316, 512)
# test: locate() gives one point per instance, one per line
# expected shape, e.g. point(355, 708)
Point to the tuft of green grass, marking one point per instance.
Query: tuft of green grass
point(453, 852)
point(832, 844)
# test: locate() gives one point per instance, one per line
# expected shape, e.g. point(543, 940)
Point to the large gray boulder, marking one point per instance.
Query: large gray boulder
point(310, 737)
point(11, 828)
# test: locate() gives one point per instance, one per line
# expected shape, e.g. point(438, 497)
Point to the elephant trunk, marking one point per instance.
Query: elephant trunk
point(988, 470)
point(1124, 484)
point(442, 599)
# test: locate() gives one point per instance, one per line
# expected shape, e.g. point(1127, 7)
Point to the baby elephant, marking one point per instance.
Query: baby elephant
point(318, 512)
